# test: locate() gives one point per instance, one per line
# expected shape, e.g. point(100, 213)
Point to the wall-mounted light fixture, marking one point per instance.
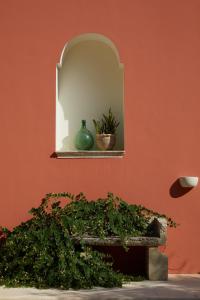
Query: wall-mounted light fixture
point(188, 181)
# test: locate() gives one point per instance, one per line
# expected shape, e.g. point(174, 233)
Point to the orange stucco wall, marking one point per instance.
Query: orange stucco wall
point(159, 44)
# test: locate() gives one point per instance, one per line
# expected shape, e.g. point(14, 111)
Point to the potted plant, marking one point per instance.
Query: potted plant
point(106, 131)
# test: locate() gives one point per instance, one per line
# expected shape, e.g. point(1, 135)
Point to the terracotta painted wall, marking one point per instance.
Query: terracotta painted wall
point(159, 44)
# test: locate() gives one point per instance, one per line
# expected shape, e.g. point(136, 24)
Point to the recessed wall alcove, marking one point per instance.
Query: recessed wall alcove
point(89, 80)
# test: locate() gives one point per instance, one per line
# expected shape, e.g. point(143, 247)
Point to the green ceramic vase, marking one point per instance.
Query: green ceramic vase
point(84, 139)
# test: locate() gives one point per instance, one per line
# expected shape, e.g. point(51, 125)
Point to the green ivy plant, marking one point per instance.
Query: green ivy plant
point(107, 125)
point(41, 252)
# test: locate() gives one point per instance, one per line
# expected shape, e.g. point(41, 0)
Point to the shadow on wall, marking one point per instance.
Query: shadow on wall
point(176, 190)
point(178, 269)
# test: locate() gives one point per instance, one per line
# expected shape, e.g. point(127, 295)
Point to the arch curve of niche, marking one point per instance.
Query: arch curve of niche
point(89, 80)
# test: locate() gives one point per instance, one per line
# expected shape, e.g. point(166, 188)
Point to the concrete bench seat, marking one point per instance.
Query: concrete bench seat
point(156, 262)
point(116, 241)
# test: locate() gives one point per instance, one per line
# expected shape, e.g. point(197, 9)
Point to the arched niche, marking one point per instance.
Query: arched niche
point(89, 80)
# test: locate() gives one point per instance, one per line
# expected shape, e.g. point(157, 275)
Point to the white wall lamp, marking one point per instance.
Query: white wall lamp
point(188, 181)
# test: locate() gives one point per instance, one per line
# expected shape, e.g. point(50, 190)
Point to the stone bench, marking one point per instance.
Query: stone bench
point(156, 263)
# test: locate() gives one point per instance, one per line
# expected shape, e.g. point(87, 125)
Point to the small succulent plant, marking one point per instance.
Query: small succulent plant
point(107, 125)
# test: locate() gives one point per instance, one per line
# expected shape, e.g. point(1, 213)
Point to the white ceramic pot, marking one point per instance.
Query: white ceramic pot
point(105, 141)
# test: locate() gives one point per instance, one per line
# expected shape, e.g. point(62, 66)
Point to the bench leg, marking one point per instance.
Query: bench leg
point(157, 265)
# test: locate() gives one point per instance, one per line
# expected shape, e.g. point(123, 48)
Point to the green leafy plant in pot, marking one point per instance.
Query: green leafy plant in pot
point(106, 131)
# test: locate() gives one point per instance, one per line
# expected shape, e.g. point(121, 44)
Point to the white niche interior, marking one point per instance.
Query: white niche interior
point(89, 80)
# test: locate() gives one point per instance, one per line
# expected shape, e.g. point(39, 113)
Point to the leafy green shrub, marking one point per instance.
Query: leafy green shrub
point(41, 252)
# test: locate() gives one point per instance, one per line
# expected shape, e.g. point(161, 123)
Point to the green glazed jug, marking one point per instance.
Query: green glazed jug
point(84, 139)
